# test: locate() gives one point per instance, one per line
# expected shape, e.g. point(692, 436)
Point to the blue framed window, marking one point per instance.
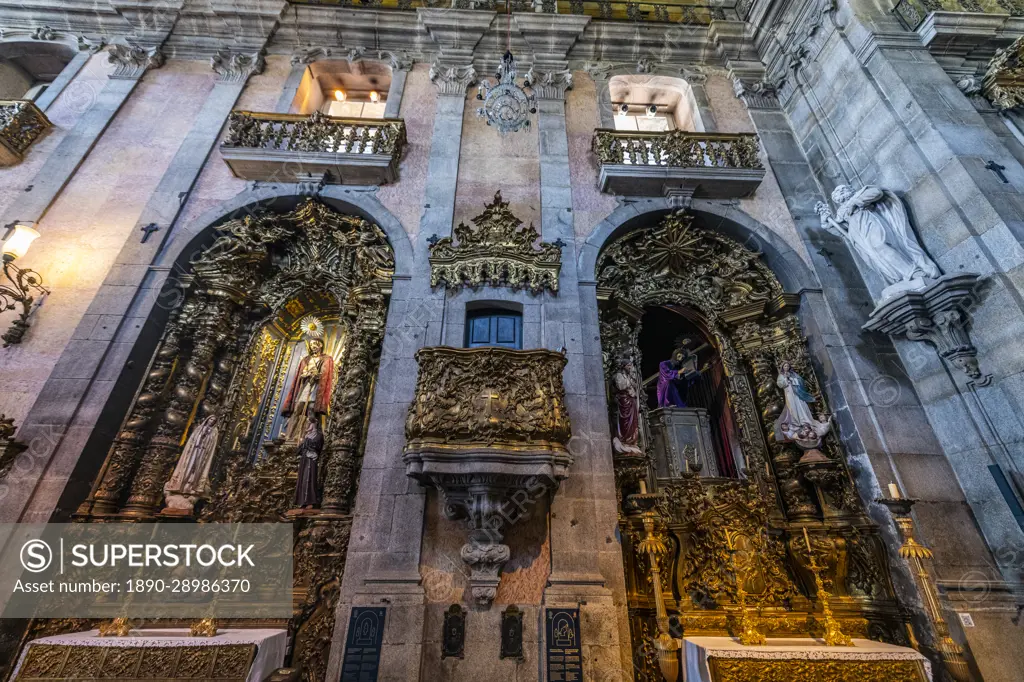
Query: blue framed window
point(491, 327)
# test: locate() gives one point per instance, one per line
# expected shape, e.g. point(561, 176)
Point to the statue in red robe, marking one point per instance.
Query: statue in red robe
point(310, 392)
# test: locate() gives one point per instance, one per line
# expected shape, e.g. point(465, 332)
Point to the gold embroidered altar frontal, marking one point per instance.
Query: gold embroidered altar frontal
point(802, 670)
point(53, 662)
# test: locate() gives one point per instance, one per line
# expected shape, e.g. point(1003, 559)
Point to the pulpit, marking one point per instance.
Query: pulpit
point(682, 441)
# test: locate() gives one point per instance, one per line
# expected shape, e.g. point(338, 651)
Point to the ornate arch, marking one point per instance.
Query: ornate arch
point(730, 538)
point(211, 355)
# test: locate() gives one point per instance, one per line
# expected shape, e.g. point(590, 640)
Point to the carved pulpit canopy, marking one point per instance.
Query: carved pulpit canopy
point(499, 252)
point(1003, 84)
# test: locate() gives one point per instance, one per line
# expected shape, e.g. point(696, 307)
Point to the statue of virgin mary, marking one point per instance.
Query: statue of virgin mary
point(796, 423)
point(191, 478)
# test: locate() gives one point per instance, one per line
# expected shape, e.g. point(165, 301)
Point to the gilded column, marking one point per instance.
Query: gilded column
point(349, 404)
point(125, 450)
point(216, 321)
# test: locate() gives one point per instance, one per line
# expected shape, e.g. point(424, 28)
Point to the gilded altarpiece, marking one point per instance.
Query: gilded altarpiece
point(726, 541)
point(271, 290)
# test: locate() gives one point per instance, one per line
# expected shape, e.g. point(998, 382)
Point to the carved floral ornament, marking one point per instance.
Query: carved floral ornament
point(1003, 83)
point(499, 252)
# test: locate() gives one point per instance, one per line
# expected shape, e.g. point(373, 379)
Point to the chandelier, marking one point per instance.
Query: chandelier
point(507, 106)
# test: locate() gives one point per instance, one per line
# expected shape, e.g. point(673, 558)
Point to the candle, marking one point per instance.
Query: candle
point(746, 462)
point(807, 539)
point(894, 491)
point(643, 487)
point(767, 470)
point(687, 460)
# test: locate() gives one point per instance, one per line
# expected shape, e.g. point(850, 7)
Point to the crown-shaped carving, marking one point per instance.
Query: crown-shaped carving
point(499, 252)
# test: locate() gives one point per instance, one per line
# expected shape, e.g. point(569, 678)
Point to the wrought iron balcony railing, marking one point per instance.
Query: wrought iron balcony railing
point(912, 13)
point(21, 124)
point(680, 12)
point(650, 164)
point(289, 147)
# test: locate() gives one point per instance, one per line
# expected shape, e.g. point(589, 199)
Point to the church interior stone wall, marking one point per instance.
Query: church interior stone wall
point(833, 93)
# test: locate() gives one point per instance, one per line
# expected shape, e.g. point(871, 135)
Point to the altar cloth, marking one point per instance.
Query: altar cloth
point(724, 659)
point(150, 653)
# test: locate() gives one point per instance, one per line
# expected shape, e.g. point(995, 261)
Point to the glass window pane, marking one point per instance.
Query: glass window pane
point(481, 330)
point(506, 330)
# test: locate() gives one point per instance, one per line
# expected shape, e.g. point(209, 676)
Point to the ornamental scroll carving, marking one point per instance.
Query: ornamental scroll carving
point(489, 396)
point(1003, 83)
point(499, 252)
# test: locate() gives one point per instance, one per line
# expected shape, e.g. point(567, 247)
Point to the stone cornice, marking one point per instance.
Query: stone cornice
point(455, 32)
point(452, 80)
point(131, 61)
point(236, 67)
point(551, 36)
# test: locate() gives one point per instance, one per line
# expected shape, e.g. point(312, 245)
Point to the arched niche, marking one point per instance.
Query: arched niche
point(669, 94)
point(248, 305)
point(656, 267)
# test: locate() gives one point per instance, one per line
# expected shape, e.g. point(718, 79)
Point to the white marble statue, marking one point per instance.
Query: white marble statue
point(796, 423)
point(875, 223)
point(191, 478)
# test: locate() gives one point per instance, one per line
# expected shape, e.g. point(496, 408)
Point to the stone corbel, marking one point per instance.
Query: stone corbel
point(92, 45)
point(758, 94)
point(939, 315)
point(131, 61)
point(452, 80)
point(236, 67)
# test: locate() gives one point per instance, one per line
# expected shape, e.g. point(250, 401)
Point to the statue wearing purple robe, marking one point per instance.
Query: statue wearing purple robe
point(674, 378)
point(627, 430)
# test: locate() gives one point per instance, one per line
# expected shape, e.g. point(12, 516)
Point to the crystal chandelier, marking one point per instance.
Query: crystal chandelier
point(507, 106)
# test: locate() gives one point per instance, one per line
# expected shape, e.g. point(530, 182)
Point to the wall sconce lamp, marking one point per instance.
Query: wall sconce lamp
point(339, 95)
point(22, 282)
point(652, 110)
point(374, 96)
point(623, 109)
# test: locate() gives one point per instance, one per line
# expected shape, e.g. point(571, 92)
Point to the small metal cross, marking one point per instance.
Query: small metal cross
point(997, 169)
point(148, 230)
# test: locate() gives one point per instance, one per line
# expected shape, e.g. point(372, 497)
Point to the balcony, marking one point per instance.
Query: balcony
point(707, 165)
point(488, 428)
point(21, 124)
point(913, 13)
point(296, 148)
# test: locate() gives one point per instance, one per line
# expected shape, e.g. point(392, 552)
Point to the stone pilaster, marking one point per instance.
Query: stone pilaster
point(401, 65)
point(584, 568)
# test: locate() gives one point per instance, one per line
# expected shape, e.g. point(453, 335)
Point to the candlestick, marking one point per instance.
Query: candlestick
point(643, 487)
point(808, 541)
point(894, 491)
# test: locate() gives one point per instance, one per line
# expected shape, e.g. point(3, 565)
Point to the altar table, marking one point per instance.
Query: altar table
point(165, 655)
point(723, 659)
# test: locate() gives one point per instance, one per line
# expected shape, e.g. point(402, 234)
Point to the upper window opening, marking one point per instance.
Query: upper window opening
point(345, 90)
point(493, 327)
point(646, 103)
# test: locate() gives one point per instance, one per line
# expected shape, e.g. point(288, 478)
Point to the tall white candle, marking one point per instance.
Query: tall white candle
point(894, 491)
point(643, 487)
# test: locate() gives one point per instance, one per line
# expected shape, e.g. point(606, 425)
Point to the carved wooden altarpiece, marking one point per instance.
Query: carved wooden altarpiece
point(222, 352)
point(725, 534)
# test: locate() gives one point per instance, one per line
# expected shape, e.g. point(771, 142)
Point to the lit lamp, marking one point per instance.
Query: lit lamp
point(339, 95)
point(22, 283)
point(374, 96)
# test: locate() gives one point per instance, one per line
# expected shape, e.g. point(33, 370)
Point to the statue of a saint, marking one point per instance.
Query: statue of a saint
point(307, 493)
point(627, 430)
point(310, 392)
point(191, 478)
point(796, 423)
point(676, 374)
point(875, 223)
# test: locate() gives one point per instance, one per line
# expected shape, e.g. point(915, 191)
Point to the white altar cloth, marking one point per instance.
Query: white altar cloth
point(699, 650)
point(270, 644)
